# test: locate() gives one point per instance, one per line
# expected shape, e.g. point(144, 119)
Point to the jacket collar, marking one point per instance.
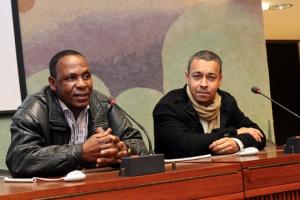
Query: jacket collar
point(188, 107)
point(56, 116)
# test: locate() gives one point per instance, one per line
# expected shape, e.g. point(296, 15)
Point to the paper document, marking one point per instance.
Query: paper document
point(188, 158)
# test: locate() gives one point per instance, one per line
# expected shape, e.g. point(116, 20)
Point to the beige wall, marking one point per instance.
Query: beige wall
point(5, 138)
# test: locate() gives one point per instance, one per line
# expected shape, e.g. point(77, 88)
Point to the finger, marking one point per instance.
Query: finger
point(104, 140)
point(219, 147)
point(258, 138)
point(108, 131)
point(250, 130)
point(221, 150)
point(104, 161)
point(255, 133)
point(259, 133)
point(114, 138)
point(109, 152)
point(212, 146)
point(122, 154)
point(255, 136)
point(99, 131)
point(223, 143)
point(111, 144)
point(217, 142)
point(244, 130)
point(121, 145)
point(252, 135)
point(99, 134)
point(230, 146)
point(107, 160)
point(229, 150)
point(240, 131)
point(107, 145)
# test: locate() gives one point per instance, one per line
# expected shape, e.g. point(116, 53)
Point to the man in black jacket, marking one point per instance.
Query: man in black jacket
point(68, 125)
point(200, 118)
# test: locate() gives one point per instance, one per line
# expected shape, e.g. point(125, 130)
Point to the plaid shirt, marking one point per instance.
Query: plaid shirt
point(79, 128)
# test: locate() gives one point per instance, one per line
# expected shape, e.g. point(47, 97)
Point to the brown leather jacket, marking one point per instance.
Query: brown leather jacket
point(40, 135)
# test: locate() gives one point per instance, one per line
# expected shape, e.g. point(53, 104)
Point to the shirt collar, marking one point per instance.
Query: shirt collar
point(65, 108)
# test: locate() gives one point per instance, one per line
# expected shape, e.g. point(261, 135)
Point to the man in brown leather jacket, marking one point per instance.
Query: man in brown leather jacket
point(68, 125)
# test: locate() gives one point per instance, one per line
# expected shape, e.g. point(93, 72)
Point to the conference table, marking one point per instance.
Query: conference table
point(270, 174)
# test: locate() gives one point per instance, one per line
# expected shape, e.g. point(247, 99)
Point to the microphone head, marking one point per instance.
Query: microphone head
point(112, 101)
point(255, 90)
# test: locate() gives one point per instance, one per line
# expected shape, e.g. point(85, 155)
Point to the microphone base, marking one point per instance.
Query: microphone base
point(141, 165)
point(292, 145)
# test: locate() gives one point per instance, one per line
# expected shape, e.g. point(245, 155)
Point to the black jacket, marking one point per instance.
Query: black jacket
point(179, 133)
point(40, 135)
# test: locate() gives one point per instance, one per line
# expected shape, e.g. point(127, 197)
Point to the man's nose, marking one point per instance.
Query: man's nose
point(80, 82)
point(203, 82)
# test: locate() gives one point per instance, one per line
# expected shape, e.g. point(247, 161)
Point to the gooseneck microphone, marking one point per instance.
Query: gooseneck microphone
point(293, 143)
point(256, 90)
point(139, 165)
point(113, 102)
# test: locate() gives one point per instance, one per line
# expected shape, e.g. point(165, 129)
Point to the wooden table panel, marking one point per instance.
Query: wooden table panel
point(267, 175)
point(264, 176)
point(189, 180)
point(186, 188)
point(292, 189)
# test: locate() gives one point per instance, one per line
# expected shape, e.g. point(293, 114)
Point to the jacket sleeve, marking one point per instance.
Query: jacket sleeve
point(238, 120)
point(29, 155)
point(122, 128)
point(176, 136)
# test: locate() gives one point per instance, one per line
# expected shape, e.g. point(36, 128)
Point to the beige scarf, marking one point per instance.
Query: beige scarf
point(210, 113)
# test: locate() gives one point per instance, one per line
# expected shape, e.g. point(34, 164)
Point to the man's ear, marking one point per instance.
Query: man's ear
point(52, 83)
point(186, 78)
point(221, 80)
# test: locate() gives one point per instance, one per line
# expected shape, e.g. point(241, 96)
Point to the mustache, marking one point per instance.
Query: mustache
point(81, 93)
point(202, 91)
